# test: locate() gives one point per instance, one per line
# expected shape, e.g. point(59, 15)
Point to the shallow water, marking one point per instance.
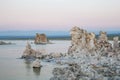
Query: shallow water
point(12, 68)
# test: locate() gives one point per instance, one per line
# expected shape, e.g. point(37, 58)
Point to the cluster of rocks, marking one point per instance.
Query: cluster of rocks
point(5, 43)
point(82, 41)
point(72, 72)
point(98, 59)
point(40, 39)
point(29, 52)
point(87, 71)
point(88, 57)
point(36, 64)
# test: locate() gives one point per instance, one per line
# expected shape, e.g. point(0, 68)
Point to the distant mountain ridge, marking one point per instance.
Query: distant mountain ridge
point(48, 33)
point(32, 37)
point(13, 35)
point(33, 33)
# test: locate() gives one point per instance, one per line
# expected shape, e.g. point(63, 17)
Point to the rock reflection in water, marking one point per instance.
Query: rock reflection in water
point(28, 66)
point(37, 71)
point(27, 63)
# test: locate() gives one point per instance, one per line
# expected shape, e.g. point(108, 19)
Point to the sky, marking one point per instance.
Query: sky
point(59, 14)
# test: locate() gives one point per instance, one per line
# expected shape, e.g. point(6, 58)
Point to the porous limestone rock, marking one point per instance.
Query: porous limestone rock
point(103, 36)
point(41, 39)
point(115, 43)
point(89, 58)
point(84, 42)
point(36, 64)
point(90, 41)
point(29, 52)
point(68, 73)
point(103, 40)
point(81, 39)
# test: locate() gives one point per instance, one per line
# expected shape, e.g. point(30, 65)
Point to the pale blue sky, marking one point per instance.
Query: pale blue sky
point(59, 14)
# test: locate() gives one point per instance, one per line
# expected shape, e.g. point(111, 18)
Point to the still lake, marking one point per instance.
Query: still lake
point(13, 68)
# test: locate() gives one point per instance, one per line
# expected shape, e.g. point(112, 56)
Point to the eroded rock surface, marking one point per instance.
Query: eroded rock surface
point(41, 39)
point(84, 42)
point(97, 59)
point(116, 43)
point(36, 64)
point(88, 58)
point(29, 52)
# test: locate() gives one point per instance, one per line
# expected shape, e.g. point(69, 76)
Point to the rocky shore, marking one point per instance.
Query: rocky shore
point(88, 57)
point(5, 43)
point(92, 59)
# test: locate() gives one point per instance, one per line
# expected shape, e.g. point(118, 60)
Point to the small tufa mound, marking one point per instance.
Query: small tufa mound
point(41, 39)
point(29, 52)
point(36, 64)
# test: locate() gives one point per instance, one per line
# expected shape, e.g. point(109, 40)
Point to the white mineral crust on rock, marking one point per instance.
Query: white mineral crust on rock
point(36, 64)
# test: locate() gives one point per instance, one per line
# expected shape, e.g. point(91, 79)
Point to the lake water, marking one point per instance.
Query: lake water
point(12, 68)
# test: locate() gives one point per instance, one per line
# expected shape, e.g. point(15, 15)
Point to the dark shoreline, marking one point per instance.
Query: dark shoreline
point(32, 37)
point(110, 37)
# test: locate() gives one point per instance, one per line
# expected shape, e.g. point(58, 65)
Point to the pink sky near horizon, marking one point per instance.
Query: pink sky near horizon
point(59, 14)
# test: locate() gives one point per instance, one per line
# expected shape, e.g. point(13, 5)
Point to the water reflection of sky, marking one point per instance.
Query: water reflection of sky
point(13, 68)
point(29, 69)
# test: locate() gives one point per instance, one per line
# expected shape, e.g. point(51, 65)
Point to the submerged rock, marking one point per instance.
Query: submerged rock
point(88, 58)
point(37, 71)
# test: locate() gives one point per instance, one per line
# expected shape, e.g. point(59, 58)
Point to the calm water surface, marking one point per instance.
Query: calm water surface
point(12, 68)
